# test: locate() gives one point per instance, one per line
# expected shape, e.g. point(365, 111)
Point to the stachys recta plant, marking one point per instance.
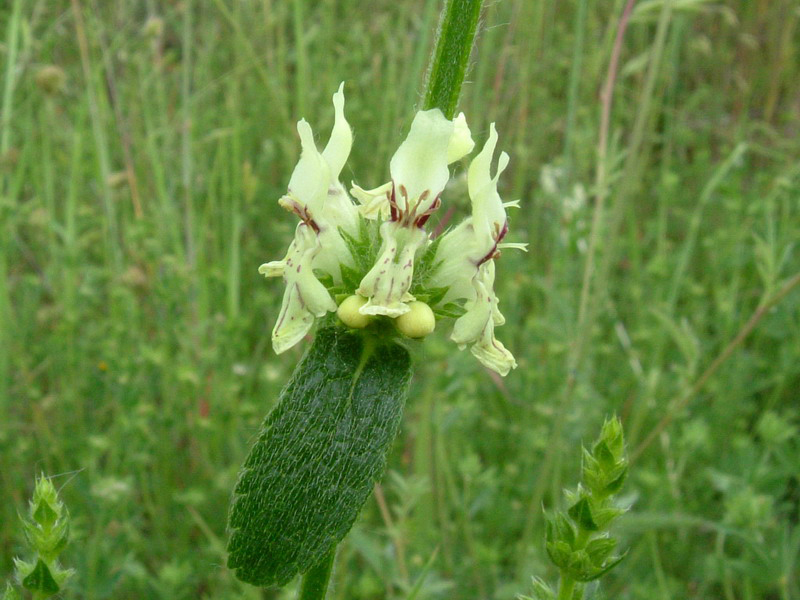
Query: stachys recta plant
point(363, 263)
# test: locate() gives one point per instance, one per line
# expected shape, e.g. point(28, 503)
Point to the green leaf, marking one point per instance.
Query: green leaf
point(581, 513)
point(603, 516)
point(432, 296)
point(40, 580)
point(603, 571)
point(600, 549)
point(317, 457)
point(51, 544)
point(560, 553)
point(602, 453)
point(44, 515)
point(364, 247)
point(558, 528)
point(351, 278)
point(424, 267)
point(541, 591)
point(580, 565)
point(451, 310)
point(616, 484)
point(613, 438)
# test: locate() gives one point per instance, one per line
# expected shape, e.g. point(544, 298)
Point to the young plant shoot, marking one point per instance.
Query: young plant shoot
point(578, 540)
point(46, 530)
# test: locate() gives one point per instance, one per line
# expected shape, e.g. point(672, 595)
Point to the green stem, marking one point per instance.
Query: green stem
point(566, 588)
point(315, 580)
point(454, 40)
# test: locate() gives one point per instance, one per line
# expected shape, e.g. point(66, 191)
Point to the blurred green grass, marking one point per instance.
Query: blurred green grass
point(139, 197)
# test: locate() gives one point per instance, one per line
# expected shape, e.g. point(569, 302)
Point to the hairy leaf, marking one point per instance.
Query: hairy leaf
point(317, 457)
point(41, 580)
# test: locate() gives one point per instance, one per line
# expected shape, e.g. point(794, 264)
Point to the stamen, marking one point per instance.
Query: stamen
point(404, 195)
point(289, 203)
point(423, 218)
point(502, 233)
point(494, 252)
point(395, 212)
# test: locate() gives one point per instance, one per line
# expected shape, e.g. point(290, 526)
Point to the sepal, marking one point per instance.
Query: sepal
point(419, 167)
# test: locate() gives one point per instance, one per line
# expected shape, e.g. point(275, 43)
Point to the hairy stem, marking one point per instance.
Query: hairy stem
point(454, 39)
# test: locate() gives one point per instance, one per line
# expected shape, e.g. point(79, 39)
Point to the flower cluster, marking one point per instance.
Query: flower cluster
point(334, 235)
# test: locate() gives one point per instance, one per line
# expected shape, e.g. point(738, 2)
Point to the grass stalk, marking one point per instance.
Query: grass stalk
point(601, 175)
point(186, 133)
point(100, 138)
point(12, 39)
point(12, 35)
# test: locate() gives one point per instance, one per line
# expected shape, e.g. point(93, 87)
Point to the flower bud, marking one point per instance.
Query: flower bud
point(349, 315)
point(417, 322)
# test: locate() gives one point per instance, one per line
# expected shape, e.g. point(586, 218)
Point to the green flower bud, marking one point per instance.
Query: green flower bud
point(418, 322)
point(349, 315)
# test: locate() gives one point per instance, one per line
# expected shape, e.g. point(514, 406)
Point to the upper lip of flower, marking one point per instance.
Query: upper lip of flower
point(419, 167)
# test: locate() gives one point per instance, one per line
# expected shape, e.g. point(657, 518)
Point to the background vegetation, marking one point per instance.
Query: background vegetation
point(144, 145)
